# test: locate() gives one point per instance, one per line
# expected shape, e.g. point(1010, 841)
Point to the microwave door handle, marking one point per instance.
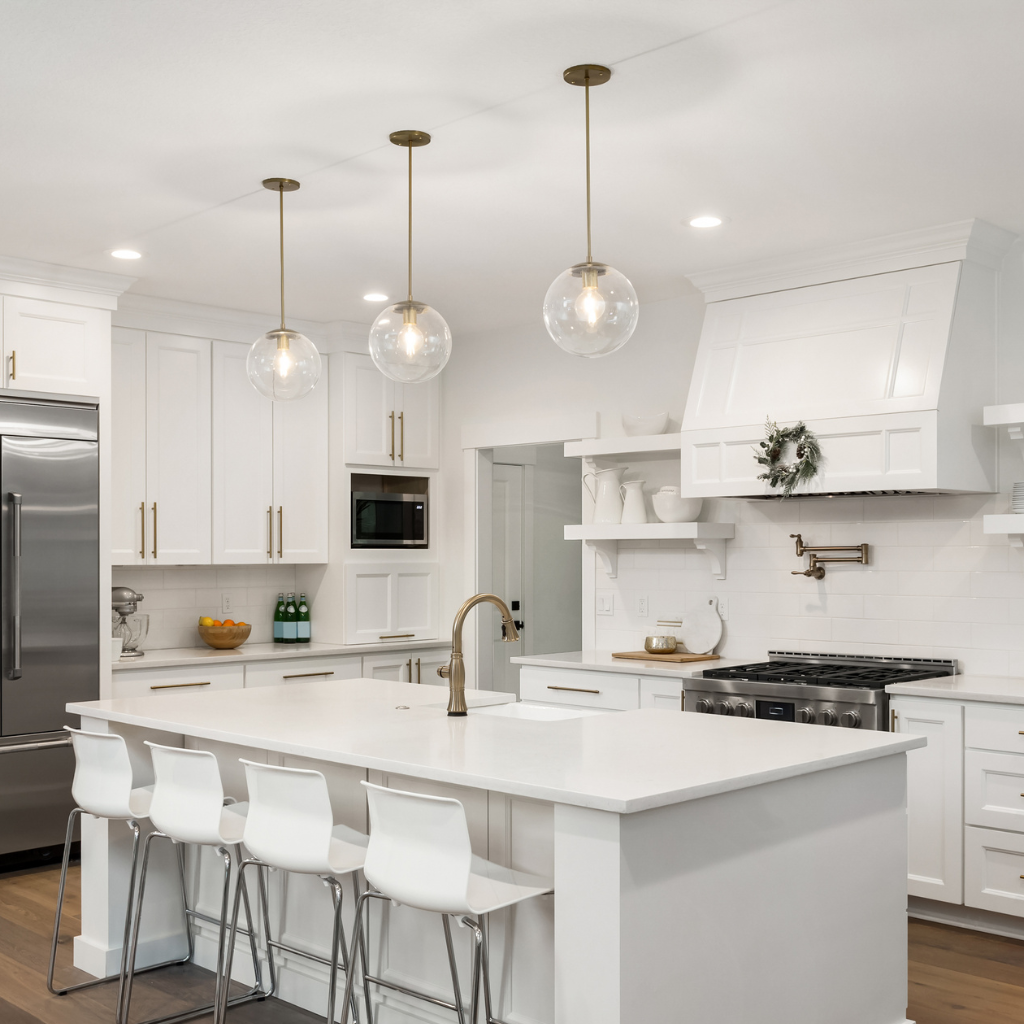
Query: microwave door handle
point(15, 670)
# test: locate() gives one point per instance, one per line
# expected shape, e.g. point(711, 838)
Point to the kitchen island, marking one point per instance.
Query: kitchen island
point(705, 869)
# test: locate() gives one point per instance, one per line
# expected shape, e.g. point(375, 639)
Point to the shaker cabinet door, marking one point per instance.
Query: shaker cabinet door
point(128, 512)
point(418, 409)
point(243, 462)
point(178, 449)
point(388, 602)
point(371, 427)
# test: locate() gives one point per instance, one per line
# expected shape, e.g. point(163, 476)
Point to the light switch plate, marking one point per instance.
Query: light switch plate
point(642, 606)
point(225, 603)
point(723, 608)
point(606, 602)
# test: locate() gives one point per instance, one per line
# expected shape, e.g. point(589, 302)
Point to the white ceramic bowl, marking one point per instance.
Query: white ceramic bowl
point(640, 426)
point(671, 508)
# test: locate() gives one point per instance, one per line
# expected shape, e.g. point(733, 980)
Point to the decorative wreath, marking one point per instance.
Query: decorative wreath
point(787, 475)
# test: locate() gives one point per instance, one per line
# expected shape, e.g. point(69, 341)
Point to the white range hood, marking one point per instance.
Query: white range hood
point(887, 351)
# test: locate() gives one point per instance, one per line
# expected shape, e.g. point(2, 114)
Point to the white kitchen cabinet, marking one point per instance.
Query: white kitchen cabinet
point(407, 666)
point(388, 602)
point(302, 670)
point(934, 797)
point(579, 687)
point(426, 664)
point(994, 790)
point(659, 692)
point(160, 449)
point(270, 468)
point(994, 870)
point(54, 347)
point(145, 682)
point(389, 424)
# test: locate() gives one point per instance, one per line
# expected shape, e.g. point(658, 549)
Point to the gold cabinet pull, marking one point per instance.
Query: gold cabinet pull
point(142, 516)
point(306, 675)
point(892, 720)
point(573, 689)
point(419, 673)
point(408, 668)
point(392, 417)
point(397, 636)
point(401, 424)
point(14, 365)
point(154, 529)
point(280, 531)
point(175, 686)
point(270, 531)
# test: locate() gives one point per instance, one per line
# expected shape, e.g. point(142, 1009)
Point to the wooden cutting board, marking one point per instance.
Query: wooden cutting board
point(678, 657)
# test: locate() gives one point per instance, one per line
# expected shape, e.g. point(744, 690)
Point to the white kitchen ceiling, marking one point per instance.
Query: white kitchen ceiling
point(150, 123)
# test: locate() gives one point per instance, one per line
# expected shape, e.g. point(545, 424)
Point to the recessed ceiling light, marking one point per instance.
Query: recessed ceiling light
point(125, 254)
point(706, 221)
point(375, 297)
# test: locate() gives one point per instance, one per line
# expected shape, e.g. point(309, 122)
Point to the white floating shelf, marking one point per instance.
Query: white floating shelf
point(1011, 526)
point(604, 539)
point(598, 446)
point(1004, 415)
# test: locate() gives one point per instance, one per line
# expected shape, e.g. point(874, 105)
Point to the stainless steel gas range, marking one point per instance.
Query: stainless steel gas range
point(844, 690)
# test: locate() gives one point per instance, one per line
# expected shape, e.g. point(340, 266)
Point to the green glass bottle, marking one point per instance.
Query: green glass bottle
point(291, 616)
point(303, 626)
point(279, 620)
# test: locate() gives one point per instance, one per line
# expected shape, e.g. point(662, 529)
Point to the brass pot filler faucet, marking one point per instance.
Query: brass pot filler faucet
point(816, 569)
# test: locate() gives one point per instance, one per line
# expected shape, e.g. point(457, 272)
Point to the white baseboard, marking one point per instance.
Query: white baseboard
point(101, 962)
point(959, 916)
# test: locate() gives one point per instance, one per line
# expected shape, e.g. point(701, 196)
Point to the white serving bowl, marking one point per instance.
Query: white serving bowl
point(640, 426)
point(671, 508)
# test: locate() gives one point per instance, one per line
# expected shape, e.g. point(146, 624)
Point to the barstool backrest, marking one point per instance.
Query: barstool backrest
point(103, 773)
point(290, 818)
point(188, 795)
point(419, 852)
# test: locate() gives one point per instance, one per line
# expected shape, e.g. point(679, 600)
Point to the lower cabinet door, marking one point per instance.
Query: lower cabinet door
point(934, 797)
point(426, 663)
point(142, 682)
point(994, 789)
point(302, 670)
point(994, 870)
point(666, 694)
point(397, 666)
point(580, 688)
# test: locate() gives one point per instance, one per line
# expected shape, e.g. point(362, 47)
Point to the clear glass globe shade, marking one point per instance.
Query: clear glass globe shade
point(410, 342)
point(591, 310)
point(283, 365)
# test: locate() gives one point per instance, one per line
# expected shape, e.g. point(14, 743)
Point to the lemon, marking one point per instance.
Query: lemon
point(206, 621)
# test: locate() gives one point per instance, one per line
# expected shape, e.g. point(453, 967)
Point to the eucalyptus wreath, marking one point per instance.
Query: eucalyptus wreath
point(787, 475)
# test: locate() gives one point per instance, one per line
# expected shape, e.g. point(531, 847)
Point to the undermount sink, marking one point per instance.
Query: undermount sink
point(533, 712)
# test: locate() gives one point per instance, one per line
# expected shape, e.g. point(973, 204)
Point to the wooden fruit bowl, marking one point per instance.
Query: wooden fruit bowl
point(224, 637)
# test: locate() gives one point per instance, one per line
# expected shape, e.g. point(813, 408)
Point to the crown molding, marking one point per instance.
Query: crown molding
point(33, 279)
point(973, 240)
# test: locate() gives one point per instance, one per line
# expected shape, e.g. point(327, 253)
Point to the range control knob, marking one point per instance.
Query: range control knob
point(705, 707)
point(805, 715)
point(828, 717)
point(849, 720)
point(744, 710)
point(723, 707)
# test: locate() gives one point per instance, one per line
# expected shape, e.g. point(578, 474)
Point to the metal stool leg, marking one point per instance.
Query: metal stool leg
point(357, 943)
point(460, 1009)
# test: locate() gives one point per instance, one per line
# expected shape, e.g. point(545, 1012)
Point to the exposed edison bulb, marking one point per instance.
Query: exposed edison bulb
point(283, 365)
point(283, 361)
point(590, 306)
point(410, 342)
point(410, 337)
point(586, 320)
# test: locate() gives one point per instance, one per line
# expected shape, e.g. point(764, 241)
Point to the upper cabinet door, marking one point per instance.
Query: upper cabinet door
point(301, 476)
point(51, 346)
point(178, 449)
point(418, 410)
point(390, 601)
point(128, 515)
point(243, 463)
point(371, 427)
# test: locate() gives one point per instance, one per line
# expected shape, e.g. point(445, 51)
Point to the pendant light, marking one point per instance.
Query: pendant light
point(590, 310)
point(283, 364)
point(409, 341)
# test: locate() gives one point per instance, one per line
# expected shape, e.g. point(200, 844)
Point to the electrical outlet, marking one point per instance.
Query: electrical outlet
point(225, 603)
point(606, 602)
point(641, 606)
point(723, 608)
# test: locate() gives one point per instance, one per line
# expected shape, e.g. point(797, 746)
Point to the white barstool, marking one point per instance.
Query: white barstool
point(290, 825)
point(419, 855)
point(103, 786)
point(188, 806)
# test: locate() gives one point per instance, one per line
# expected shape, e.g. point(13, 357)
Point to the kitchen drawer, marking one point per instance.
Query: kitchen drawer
point(994, 870)
point(994, 727)
point(584, 689)
point(994, 789)
point(142, 682)
point(302, 670)
point(661, 693)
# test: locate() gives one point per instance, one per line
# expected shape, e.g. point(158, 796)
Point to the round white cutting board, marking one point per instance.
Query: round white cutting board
point(702, 628)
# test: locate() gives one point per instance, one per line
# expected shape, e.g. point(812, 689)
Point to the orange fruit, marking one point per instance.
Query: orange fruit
point(241, 623)
point(217, 622)
point(229, 622)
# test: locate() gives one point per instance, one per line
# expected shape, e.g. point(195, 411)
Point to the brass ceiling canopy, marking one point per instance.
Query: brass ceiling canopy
point(409, 137)
point(280, 184)
point(587, 74)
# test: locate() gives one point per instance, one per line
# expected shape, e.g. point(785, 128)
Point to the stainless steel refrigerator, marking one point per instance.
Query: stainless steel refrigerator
point(49, 607)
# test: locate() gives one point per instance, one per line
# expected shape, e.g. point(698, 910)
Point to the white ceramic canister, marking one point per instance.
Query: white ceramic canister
point(670, 507)
point(633, 508)
point(606, 495)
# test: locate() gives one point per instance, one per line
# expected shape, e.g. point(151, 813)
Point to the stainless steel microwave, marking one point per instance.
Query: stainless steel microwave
point(382, 520)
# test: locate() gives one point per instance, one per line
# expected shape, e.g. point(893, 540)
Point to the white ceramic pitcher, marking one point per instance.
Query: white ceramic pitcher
point(606, 495)
point(633, 508)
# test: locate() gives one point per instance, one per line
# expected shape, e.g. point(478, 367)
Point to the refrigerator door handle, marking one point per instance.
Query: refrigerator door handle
point(15, 500)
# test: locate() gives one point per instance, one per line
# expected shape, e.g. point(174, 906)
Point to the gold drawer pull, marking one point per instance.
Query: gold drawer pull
point(174, 686)
point(306, 675)
point(573, 689)
point(398, 636)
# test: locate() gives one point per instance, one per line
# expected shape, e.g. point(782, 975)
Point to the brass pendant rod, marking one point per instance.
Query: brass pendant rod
point(586, 93)
point(280, 197)
point(410, 223)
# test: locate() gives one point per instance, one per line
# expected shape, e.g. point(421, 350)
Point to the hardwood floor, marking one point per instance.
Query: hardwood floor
point(956, 977)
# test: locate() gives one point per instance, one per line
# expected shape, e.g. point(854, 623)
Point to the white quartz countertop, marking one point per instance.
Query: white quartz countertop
point(622, 761)
point(990, 689)
point(602, 661)
point(263, 652)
